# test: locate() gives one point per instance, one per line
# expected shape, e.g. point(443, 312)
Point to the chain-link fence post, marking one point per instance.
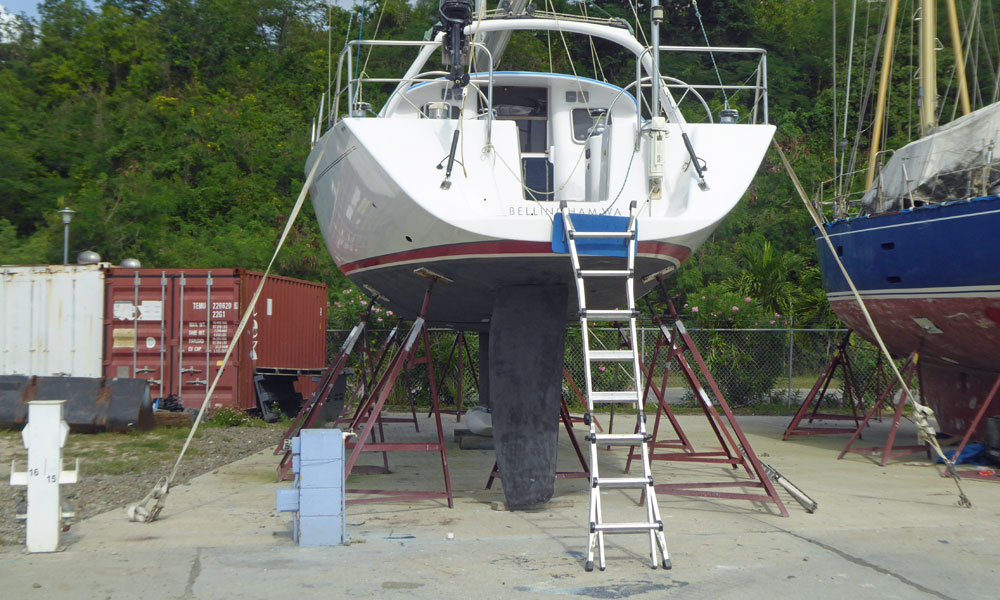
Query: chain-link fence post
point(791, 345)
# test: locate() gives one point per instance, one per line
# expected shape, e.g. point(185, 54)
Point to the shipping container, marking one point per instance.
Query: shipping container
point(52, 320)
point(172, 327)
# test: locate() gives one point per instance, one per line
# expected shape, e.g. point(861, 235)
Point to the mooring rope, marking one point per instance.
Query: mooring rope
point(139, 511)
point(922, 413)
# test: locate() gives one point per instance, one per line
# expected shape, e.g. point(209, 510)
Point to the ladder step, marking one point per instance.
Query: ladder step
point(622, 482)
point(608, 315)
point(617, 355)
point(614, 397)
point(619, 439)
point(605, 272)
point(622, 235)
point(626, 527)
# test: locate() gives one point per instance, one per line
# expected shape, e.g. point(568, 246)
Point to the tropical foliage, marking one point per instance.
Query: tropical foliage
point(178, 129)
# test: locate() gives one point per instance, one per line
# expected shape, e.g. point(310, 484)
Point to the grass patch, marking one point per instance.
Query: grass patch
point(110, 466)
point(226, 416)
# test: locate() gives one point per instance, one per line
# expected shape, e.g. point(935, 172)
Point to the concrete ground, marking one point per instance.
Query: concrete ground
point(880, 532)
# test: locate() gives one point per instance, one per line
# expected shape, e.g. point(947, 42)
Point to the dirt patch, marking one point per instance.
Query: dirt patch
point(118, 469)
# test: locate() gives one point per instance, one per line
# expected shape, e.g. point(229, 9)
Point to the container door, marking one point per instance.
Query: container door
point(136, 340)
point(206, 319)
point(51, 320)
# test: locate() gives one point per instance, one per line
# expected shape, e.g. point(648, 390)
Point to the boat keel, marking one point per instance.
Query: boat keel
point(526, 347)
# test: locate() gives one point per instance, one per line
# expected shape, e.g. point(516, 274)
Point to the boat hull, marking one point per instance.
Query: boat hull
point(384, 216)
point(478, 270)
point(931, 282)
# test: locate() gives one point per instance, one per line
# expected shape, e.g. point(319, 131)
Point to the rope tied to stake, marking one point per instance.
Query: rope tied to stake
point(148, 509)
point(921, 412)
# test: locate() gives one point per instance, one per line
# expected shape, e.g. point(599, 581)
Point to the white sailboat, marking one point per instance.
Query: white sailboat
point(460, 173)
point(460, 176)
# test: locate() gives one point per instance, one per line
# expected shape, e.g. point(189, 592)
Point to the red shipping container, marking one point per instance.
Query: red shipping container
point(172, 327)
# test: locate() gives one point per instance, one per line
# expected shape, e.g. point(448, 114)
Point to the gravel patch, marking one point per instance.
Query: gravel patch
point(119, 469)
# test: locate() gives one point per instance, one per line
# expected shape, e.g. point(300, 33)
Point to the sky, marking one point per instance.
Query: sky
point(16, 7)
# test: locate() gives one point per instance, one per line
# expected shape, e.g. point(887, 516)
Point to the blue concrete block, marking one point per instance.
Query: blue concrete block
point(286, 499)
point(322, 475)
point(321, 444)
point(317, 496)
point(321, 531)
point(322, 502)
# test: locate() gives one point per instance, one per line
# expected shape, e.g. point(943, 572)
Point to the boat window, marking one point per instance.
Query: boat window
point(529, 108)
point(582, 122)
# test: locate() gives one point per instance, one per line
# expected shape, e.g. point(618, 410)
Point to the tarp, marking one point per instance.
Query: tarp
point(951, 163)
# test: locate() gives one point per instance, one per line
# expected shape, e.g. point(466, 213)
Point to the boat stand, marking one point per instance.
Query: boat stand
point(567, 422)
point(459, 345)
point(370, 412)
point(662, 408)
point(890, 450)
point(974, 474)
point(311, 410)
point(735, 448)
point(814, 400)
point(583, 401)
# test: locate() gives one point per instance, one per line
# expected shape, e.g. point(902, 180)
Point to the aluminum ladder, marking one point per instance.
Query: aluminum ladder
point(626, 242)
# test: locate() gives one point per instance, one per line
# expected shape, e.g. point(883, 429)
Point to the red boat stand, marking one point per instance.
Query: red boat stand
point(853, 395)
point(370, 411)
point(581, 399)
point(662, 408)
point(311, 410)
point(890, 450)
point(974, 474)
point(460, 344)
point(735, 448)
point(567, 422)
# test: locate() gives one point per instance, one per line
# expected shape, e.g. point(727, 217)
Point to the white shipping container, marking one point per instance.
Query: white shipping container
point(52, 320)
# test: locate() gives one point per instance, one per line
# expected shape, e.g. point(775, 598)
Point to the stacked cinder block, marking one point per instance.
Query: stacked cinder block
point(317, 495)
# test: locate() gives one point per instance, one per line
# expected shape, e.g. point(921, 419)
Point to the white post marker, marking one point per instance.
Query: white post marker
point(44, 437)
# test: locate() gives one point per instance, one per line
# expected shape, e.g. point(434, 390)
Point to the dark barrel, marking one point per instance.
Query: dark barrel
point(92, 404)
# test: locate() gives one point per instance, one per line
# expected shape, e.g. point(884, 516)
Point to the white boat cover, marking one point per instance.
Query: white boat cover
point(951, 163)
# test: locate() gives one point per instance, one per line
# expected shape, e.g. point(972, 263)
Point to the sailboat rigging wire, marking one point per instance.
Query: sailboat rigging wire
point(572, 65)
point(697, 13)
point(909, 87)
point(361, 30)
point(548, 43)
point(594, 60)
point(161, 489)
point(925, 431)
point(378, 25)
point(847, 98)
point(866, 95)
point(635, 11)
point(833, 89)
point(465, 90)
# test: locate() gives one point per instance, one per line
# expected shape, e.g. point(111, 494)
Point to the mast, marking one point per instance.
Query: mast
point(928, 66)
point(956, 44)
point(883, 88)
point(656, 12)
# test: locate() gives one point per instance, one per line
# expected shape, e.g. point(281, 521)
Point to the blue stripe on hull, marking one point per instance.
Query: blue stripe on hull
point(916, 251)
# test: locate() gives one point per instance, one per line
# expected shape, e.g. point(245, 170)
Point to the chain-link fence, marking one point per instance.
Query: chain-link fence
point(755, 369)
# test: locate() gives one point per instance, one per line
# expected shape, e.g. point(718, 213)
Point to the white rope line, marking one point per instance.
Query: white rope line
point(378, 25)
point(236, 336)
point(925, 431)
